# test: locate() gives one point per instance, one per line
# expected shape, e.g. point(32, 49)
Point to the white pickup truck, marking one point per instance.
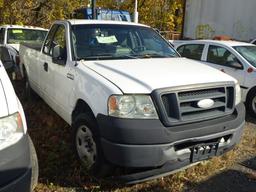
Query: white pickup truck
point(10, 38)
point(132, 102)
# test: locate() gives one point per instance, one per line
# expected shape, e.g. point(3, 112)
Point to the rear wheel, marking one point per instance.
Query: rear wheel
point(87, 145)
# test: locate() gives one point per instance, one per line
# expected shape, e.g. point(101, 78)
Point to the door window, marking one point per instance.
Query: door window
point(221, 56)
point(192, 51)
point(59, 40)
point(47, 44)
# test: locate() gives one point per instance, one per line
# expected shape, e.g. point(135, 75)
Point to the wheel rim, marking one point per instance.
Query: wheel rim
point(86, 146)
point(254, 104)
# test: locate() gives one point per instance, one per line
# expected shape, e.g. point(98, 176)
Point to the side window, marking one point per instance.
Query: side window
point(193, 51)
point(221, 56)
point(2, 32)
point(59, 40)
point(48, 41)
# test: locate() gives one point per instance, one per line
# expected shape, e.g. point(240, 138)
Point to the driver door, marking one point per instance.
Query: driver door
point(58, 77)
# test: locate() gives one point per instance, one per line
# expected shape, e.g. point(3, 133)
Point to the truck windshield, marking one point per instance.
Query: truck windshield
point(248, 52)
point(112, 41)
point(16, 36)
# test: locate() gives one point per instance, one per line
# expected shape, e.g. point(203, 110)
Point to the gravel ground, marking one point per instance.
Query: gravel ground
point(61, 172)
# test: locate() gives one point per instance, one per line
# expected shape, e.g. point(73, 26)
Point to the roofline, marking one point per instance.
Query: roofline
point(110, 22)
point(221, 42)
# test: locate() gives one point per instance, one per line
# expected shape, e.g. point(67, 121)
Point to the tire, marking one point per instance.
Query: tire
point(86, 143)
point(251, 103)
point(34, 165)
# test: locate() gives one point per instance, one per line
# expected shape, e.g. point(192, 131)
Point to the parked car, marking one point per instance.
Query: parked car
point(132, 102)
point(18, 160)
point(237, 59)
point(12, 35)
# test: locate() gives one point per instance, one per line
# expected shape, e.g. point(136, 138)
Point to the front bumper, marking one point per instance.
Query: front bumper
point(15, 167)
point(148, 145)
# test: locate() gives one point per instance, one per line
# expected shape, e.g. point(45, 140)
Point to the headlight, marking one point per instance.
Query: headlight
point(132, 106)
point(238, 94)
point(11, 130)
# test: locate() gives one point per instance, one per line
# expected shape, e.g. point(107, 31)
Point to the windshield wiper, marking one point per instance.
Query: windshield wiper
point(149, 55)
point(102, 57)
point(95, 57)
point(131, 56)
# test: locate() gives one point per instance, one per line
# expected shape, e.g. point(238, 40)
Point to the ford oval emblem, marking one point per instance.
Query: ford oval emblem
point(205, 103)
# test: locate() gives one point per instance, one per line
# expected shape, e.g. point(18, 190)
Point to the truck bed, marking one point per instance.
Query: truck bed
point(35, 46)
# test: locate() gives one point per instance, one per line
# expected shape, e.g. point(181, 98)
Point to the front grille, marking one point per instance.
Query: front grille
point(182, 106)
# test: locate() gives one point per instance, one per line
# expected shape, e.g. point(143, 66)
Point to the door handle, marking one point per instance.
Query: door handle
point(70, 76)
point(46, 67)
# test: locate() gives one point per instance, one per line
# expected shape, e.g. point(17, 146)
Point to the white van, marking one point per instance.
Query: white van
point(18, 160)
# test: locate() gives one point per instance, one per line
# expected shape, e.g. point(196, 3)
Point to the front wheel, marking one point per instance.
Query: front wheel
point(251, 103)
point(87, 145)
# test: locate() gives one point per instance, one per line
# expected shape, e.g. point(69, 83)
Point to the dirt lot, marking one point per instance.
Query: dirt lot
point(61, 172)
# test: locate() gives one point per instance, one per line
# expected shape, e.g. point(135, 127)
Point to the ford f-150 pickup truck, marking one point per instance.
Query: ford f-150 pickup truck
point(133, 103)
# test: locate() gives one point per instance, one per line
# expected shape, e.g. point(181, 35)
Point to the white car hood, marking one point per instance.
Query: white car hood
point(145, 75)
point(8, 99)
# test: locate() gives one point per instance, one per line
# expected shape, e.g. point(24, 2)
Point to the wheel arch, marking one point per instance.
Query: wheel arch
point(82, 107)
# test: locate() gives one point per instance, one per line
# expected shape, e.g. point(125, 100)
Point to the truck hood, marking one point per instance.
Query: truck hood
point(8, 99)
point(145, 75)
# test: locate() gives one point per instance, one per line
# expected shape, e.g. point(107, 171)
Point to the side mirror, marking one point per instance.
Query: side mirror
point(235, 64)
point(58, 55)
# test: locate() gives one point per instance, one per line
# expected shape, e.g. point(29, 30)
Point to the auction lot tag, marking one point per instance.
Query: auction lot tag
point(106, 40)
point(17, 31)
